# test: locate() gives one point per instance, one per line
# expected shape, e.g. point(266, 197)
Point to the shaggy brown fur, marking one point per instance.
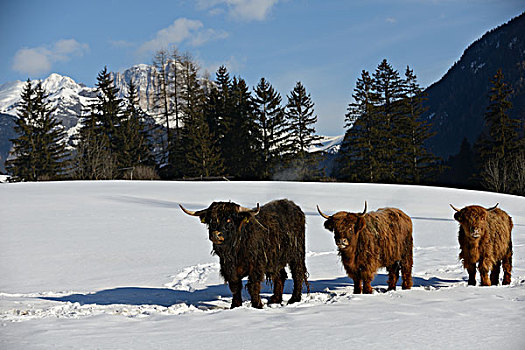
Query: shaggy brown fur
point(485, 238)
point(371, 241)
point(258, 246)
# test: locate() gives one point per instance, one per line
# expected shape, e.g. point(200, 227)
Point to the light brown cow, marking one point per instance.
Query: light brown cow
point(485, 238)
point(369, 241)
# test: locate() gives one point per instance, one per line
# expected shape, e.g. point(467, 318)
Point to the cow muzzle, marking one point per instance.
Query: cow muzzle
point(342, 243)
point(475, 232)
point(217, 237)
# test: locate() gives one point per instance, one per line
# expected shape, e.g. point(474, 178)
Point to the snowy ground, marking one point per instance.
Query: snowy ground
point(117, 265)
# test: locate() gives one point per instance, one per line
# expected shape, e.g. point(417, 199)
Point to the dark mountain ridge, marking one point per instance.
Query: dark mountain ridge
point(458, 101)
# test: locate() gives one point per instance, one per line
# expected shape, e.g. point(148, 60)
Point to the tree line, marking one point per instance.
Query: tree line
point(496, 159)
point(197, 127)
point(207, 129)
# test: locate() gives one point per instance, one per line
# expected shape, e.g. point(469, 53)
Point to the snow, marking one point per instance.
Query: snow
point(117, 265)
point(329, 144)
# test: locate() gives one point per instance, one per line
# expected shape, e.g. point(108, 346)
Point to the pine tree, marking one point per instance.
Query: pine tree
point(243, 149)
point(389, 89)
point(301, 132)
point(416, 164)
point(202, 157)
point(39, 151)
point(101, 137)
point(502, 142)
point(136, 148)
point(358, 160)
point(272, 125)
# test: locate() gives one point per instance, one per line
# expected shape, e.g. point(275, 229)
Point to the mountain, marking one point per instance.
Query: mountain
point(458, 101)
point(69, 99)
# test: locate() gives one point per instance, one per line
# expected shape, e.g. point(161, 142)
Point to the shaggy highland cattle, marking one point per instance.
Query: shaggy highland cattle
point(258, 243)
point(369, 241)
point(485, 238)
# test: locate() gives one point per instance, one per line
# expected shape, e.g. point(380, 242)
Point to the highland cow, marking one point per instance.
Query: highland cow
point(485, 238)
point(258, 243)
point(369, 241)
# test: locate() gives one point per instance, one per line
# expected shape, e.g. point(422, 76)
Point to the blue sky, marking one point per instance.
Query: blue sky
point(323, 44)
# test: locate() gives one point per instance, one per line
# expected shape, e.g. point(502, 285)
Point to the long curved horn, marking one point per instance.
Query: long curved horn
point(322, 214)
point(453, 207)
point(192, 213)
point(364, 211)
point(492, 208)
point(251, 211)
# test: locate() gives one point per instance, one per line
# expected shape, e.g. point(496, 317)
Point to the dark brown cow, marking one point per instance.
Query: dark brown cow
point(485, 238)
point(369, 241)
point(258, 243)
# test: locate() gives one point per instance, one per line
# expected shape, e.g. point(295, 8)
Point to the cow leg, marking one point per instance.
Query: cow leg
point(393, 275)
point(507, 267)
point(254, 288)
point(298, 269)
point(236, 288)
point(278, 286)
point(367, 284)
point(357, 285)
point(406, 267)
point(483, 273)
point(494, 274)
point(471, 269)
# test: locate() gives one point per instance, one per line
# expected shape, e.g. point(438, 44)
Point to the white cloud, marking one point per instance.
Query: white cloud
point(391, 20)
point(181, 30)
point(39, 60)
point(247, 10)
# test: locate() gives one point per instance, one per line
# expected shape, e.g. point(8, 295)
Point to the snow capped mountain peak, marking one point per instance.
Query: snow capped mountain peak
point(57, 82)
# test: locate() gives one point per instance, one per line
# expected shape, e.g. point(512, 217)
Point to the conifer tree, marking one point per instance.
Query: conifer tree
point(39, 151)
point(272, 125)
point(242, 150)
point(101, 137)
point(136, 148)
point(201, 154)
point(415, 163)
point(301, 132)
point(389, 89)
point(358, 160)
point(502, 143)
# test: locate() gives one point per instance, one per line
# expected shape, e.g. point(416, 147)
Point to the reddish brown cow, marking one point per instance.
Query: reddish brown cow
point(369, 241)
point(485, 238)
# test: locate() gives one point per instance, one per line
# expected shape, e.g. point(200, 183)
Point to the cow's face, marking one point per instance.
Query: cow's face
point(224, 220)
point(473, 221)
point(345, 227)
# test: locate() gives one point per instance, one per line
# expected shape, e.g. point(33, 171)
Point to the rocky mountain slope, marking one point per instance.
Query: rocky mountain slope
point(458, 101)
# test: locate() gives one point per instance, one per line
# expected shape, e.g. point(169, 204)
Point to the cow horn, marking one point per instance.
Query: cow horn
point(453, 207)
point(322, 214)
point(364, 211)
point(189, 212)
point(251, 211)
point(492, 208)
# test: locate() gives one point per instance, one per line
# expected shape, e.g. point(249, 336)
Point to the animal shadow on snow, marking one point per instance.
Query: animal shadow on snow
point(205, 298)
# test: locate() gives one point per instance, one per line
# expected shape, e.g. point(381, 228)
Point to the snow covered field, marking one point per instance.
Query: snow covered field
point(118, 265)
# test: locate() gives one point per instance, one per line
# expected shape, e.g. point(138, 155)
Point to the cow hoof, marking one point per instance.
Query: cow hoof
point(294, 300)
point(258, 305)
point(236, 303)
point(275, 300)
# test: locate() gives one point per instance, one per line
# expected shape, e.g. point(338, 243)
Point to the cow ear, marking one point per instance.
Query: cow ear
point(203, 218)
point(457, 216)
point(360, 224)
